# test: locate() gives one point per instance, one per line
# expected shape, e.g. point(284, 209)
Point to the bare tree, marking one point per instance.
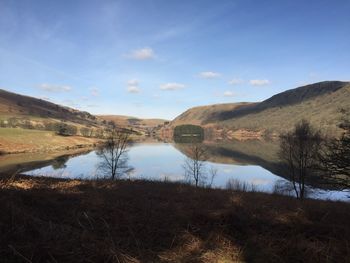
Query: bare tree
point(113, 152)
point(194, 165)
point(213, 172)
point(335, 159)
point(300, 149)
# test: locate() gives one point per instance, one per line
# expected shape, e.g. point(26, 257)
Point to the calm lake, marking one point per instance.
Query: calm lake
point(251, 162)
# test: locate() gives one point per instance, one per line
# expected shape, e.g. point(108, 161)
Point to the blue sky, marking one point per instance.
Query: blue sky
point(157, 58)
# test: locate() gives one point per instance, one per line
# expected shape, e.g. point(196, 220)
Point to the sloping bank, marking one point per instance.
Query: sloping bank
point(55, 220)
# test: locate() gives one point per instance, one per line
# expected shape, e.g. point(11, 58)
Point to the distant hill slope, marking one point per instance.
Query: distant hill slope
point(319, 103)
point(16, 105)
point(201, 114)
point(121, 120)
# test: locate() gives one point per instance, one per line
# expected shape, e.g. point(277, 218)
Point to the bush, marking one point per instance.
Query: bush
point(65, 129)
point(86, 132)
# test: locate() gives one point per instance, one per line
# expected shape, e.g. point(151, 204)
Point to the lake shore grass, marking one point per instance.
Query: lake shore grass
point(17, 140)
point(56, 220)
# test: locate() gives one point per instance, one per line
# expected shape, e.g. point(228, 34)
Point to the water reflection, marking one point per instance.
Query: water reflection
point(254, 163)
point(60, 162)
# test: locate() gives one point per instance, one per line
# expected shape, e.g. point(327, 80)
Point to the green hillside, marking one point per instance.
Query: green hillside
point(319, 103)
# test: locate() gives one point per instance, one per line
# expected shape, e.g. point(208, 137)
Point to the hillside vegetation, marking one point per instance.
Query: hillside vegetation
point(17, 140)
point(319, 103)
point(129, 121)
point(16, 105)
point(55, 220)
point(199, 115)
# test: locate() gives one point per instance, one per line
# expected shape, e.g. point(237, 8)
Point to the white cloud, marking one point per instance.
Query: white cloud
point(142, 54)
point(133, 89)
point(259, 82)
point(209, 75)
point(172, 86)
point(235, 81)
point(94, 92)
point(54, 88)
point(133, 82)
point(228, 93)
point(133, 86)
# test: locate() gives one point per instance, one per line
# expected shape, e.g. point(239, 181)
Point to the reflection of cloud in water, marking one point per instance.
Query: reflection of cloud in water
point(260, 181)
point(163, 162)
point(228, 170)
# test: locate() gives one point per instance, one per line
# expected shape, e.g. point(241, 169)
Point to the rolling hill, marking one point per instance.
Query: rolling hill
point(320, 103)
point(201, 114)
point(20, 106)
point(129, 121)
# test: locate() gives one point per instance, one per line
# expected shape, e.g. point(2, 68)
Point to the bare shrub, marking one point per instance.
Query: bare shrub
point(237, 185)
point(194, 165)
point(113, 153)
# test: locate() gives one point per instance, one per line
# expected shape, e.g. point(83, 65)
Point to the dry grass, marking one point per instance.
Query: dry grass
point(199, 115)
point(126, 121)
point(16, 140)
point(55, 220)
point(322, 111)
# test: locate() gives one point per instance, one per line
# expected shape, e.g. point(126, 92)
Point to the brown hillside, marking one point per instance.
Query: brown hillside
point(16, 105)
point(121, 120)
point(199, 115)
point(320, 103)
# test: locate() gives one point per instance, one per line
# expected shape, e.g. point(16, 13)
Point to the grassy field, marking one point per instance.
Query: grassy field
point(55, 220)
point(16, 140)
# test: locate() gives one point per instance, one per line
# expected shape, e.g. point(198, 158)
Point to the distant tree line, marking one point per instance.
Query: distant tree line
point(188, 133)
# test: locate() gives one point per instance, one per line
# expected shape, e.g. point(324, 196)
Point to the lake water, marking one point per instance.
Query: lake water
point(164, 161)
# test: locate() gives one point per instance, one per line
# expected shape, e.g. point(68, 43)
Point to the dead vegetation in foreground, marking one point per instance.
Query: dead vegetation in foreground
point(55, 220)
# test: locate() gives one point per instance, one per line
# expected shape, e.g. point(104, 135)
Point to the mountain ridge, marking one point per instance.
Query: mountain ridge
point(320, 103)
point(13, 104)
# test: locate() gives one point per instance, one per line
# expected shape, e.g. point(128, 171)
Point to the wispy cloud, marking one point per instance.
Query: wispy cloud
point(94, 92)
point(54, 88)
point(172, 86)
point(142, 54)
point(92, 106)
point(209, 75)
point(133, 82)
point(236, 81)
point(228, 93)
point(70, 103)
point(133, 86)
point(259, 82)
point(133, 89)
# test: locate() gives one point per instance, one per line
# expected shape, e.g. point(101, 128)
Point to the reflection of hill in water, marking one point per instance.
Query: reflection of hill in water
point(238, 152)
point(11, 163)
point(250, 152)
